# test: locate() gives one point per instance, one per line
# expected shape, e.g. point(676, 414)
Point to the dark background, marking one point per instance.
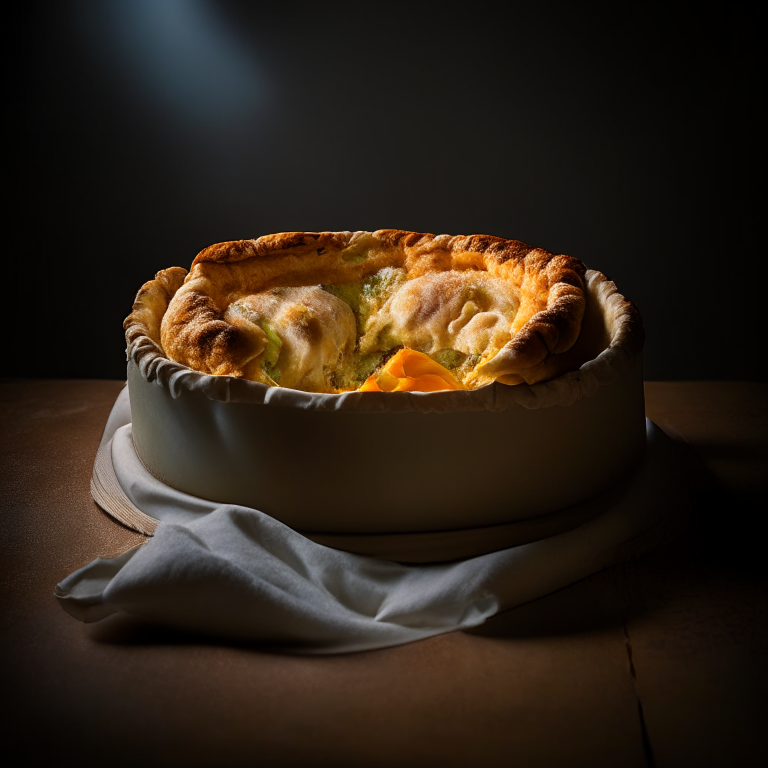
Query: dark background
point(143, 131)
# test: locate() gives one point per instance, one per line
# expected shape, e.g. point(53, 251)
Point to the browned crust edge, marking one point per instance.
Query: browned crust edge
point(548, 322)
point(150, 305)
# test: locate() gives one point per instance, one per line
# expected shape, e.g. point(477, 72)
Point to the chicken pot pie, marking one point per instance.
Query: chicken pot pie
point(327, 312)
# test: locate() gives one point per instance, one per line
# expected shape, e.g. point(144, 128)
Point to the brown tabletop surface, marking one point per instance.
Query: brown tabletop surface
point(661, 661)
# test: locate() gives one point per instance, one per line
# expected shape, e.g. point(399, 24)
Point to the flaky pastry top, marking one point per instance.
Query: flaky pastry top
point(321, 311)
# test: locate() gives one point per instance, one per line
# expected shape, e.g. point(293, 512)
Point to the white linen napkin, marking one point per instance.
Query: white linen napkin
point(237, 573)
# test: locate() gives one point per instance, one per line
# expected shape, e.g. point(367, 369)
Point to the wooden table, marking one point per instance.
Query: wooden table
point(658, 662)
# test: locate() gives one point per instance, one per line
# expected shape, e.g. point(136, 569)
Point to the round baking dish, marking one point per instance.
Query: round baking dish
point(355, 467)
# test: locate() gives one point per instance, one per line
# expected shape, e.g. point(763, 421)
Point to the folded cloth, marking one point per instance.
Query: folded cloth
point(237, 573)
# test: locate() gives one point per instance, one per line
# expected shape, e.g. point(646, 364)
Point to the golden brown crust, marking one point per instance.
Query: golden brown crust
point(198, 331)
point(151, 303)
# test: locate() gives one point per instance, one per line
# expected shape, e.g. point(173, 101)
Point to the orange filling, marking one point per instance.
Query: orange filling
point(411, 371)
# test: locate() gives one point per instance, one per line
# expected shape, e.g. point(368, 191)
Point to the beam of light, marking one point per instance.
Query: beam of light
point(180, 58)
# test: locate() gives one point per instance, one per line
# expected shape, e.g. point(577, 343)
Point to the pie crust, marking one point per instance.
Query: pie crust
point(506, 310)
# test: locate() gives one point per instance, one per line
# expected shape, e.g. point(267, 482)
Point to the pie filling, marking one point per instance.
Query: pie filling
point(334, 338)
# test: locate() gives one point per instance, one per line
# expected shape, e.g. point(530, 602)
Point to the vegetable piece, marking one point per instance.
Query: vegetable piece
point(411, 371)
point(272, 351)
